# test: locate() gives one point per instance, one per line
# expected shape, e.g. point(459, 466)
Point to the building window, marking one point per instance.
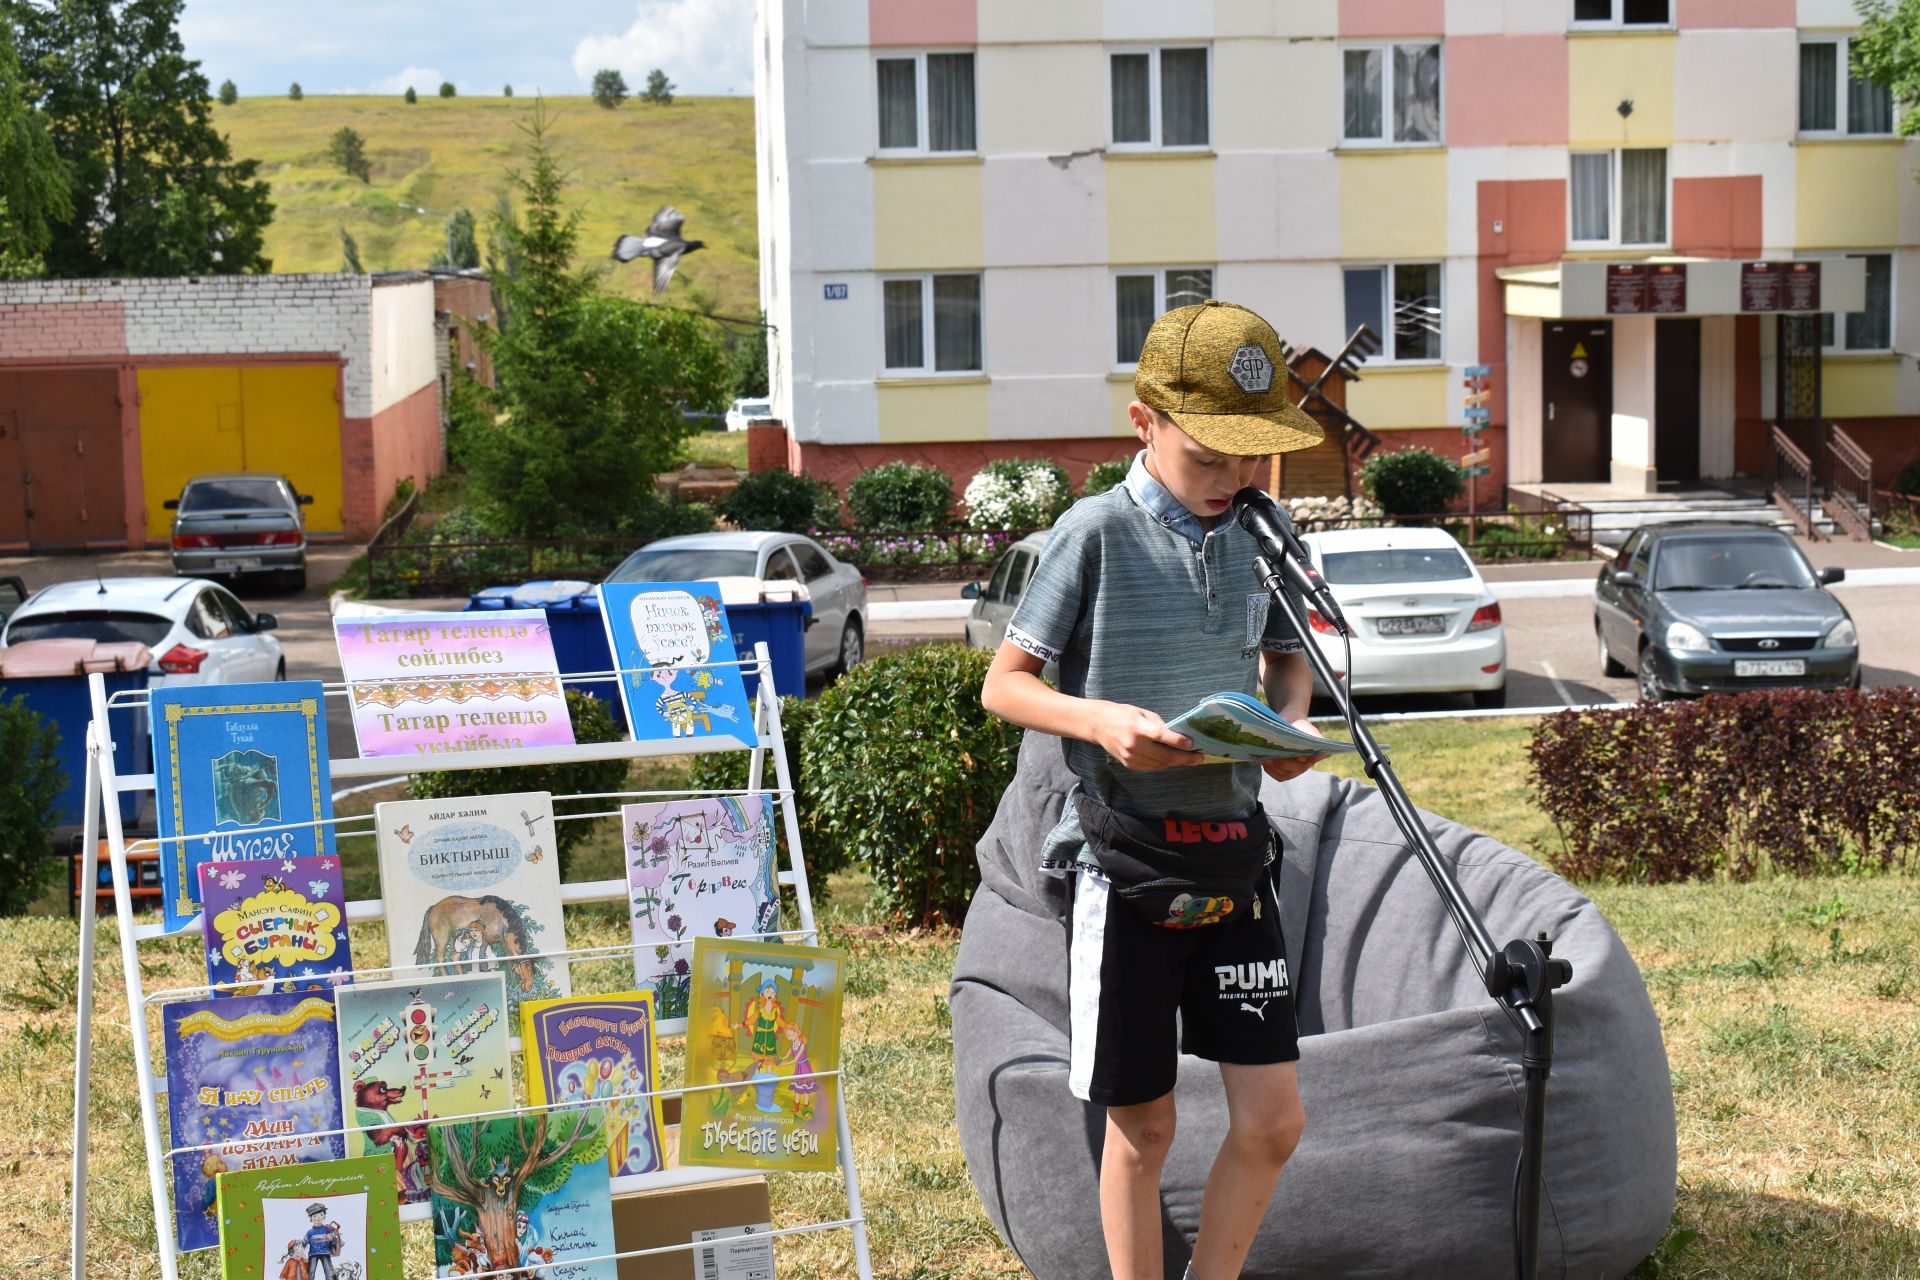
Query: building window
point(1871, 329)
point(1618, 197)
point(937, 314)
point(1392, 94)
point(942, 83)
point(1622, 13)
point(1140, 297)
point(1412, 290)
point(1833, 99)
point(1160, 98)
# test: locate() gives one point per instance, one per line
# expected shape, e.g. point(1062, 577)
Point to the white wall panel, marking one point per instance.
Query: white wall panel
point(1038, 213)
point(1735, 84)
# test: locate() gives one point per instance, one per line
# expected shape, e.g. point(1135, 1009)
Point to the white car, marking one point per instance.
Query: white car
point(198, 632)
point(1422, 619)
point(741, 412)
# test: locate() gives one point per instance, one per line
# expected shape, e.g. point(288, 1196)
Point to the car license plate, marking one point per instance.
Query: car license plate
point(1424, 624)
point(237, 564)
point(1769, 666)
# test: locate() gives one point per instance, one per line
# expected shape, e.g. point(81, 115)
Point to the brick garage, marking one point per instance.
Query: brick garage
point(329, 378)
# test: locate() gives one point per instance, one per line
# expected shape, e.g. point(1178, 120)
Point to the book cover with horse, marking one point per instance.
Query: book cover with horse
point(472, 885)
point(415, 1051)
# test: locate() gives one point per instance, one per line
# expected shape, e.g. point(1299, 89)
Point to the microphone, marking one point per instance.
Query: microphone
point(1255, 512)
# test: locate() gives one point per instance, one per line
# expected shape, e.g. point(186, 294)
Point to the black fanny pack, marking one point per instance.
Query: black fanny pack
point(1179, 873)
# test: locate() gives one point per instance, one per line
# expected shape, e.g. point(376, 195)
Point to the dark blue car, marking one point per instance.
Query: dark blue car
point(1697, 607)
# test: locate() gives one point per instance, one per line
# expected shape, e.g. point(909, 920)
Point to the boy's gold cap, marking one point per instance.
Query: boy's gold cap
point(1216, 370)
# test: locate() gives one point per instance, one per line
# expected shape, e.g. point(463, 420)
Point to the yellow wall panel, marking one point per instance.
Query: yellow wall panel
point(276, 418)
point(1399, 398)
point(938, 411)
point(1860, 388)
point(1160, 210)
point(1605, 70)
point(1121, 394)
point(1847, 194)
point(926, 216)
point(1393, 206)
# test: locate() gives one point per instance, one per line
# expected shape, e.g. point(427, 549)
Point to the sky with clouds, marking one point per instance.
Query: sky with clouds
point(383, 46)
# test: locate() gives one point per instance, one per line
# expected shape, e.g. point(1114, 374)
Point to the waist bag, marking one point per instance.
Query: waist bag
point(1178, 873)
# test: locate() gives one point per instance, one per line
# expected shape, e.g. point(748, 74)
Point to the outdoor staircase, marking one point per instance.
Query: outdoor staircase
point(1615, 518)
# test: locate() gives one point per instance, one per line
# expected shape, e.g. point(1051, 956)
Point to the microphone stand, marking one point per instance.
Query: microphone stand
point(1521, 976)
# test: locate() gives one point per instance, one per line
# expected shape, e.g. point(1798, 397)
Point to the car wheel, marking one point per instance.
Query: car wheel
point(280, 672)
point(294, 579)
point(852, 649)
point(1609, 665)
point(1650, 690)
point(1490, 699)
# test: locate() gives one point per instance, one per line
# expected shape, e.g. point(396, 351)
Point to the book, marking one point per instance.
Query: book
point(600, 1049)
point(663, 635)
point(440, 683)
point(239, 766)
point(475, 878)
point(275, 926)
point(338, 1220)
point(414, 1051)
point(524, 1191)
point(259, 1075)
point(1231, 728)
point(701, 867)
point(765, 1020)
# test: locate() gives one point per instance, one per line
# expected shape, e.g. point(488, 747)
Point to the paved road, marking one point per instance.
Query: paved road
point(1549, 640)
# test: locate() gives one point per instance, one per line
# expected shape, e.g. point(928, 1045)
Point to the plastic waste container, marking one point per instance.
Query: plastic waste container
point(778, 617)
point(50, 677)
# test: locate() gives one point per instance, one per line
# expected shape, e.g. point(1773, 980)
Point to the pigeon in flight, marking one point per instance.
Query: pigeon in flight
point(662, 243)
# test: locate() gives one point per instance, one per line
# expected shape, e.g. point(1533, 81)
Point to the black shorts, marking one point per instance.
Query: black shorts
point(1127, 979)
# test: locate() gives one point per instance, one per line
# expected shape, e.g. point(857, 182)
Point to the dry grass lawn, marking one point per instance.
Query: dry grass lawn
point(1789, 1009)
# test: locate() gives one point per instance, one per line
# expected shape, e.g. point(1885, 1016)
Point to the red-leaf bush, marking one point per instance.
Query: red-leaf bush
point(1786, 780)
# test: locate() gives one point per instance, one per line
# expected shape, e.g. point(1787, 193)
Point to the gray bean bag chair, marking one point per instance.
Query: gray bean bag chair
point(1409, 1074)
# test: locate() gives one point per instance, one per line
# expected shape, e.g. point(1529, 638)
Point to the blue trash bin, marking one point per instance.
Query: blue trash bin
point(65, 702)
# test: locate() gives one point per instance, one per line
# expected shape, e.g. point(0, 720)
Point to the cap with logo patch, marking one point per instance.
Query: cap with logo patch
point(1216, 370)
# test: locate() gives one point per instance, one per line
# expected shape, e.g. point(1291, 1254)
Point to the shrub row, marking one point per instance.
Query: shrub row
point(1784, 781)
point(1009, 493)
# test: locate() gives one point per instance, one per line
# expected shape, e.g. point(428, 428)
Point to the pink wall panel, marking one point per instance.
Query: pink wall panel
point(1736, 13)
point(918, 22)
point(1506, 90)
point(1717, 217)
point(1363, 19)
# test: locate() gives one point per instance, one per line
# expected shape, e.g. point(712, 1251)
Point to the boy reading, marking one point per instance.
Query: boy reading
point(1147, 598)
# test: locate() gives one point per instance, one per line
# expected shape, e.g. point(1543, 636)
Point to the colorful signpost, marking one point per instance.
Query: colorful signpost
point(1475, 407)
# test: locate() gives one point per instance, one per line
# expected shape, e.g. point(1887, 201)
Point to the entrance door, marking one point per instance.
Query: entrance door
point(1676, 401)
point(1576, 382)
point(60, 458)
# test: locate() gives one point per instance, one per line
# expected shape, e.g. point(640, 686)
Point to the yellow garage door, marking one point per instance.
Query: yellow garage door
point(277, 418)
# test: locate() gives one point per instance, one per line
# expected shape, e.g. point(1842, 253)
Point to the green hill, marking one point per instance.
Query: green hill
point(439, 154)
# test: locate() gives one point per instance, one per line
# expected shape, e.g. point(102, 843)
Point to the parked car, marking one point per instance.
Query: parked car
point(241, 525)
point(1715, 607)
point(995, 600)
point(741, 412)
point(1422, 619)
point(13, 594)
point(836, 633)
point(198, 632)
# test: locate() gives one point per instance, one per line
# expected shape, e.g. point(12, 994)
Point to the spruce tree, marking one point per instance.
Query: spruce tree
point(293, 91)
point(229, 93)
point(410, 95)
point(350, 253)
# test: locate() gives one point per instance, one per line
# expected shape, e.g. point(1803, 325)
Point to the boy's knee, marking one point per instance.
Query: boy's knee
point(1146, 1129)
point(1272, 1135)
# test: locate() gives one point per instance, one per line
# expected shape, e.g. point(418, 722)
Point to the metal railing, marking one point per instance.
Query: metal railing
point(1578, 518)
point(1849, 498)
point(1790, 481)
point(428, 569)
point(937, 555)
point(395, 526)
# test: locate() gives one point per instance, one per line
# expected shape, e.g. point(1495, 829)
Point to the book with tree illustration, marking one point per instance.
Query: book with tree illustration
point(695, 868)
point(416, 1051)
point(472, 884)
point(275, 926)
point(338, 1218)
point(599, 1049)
point(242, 768)
point(1229, 728)
point(256, 1081)
point(525, 1191)
point(765, 1023)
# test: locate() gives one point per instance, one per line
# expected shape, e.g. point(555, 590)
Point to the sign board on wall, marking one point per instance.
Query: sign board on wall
point(1780, 286)
point(1634, 288)
point(835, 292)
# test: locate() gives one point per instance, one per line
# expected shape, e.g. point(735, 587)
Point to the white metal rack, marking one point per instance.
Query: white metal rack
point(104, 787)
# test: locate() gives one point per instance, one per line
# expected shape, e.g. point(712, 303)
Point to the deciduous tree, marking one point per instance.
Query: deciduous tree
point(659, 88)
point(294, 91)
point(609, 88)
point(229, 93)
point(33, 178)
point(348, 151)
point(1887, 52)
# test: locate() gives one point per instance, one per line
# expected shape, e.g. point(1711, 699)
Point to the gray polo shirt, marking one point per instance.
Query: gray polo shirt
point(1139, 604)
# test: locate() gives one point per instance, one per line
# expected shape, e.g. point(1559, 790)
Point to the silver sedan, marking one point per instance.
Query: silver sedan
point(836, 633)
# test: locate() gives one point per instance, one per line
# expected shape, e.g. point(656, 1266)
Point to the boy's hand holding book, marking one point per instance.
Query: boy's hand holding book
point(1137, 738)
point(1293, 766)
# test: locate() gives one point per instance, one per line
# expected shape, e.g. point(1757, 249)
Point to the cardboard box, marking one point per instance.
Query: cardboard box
point(651, 1219)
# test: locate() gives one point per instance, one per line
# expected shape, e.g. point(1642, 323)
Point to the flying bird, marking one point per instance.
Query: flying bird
point(662, 243)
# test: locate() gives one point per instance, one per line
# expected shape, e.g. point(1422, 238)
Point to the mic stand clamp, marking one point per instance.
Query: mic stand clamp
point(1522, 976)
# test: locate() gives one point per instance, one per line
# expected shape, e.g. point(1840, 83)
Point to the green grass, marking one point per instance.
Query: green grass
point(440, 154)
point(1788, 1009)
point(1905, 539)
